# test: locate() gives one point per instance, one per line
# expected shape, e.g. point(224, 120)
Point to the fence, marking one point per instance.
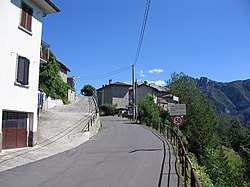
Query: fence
point(94, 112)
point(187, 169)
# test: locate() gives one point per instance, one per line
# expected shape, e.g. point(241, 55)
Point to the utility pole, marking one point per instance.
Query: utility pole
point(133, 97)
point(136, 108)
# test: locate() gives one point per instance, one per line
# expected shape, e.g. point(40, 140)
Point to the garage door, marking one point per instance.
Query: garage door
point(14, 128)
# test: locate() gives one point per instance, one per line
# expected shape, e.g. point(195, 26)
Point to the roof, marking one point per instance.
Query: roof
point(47, 6)
point(161, 100)
point(63, 66)
point(156, 87)
point(164, 89)
point(120, 84)
point(115, 84)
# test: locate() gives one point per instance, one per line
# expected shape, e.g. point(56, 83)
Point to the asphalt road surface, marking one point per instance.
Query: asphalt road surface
point(121, 155)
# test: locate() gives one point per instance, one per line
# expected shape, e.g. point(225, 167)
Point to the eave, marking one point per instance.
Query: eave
point(47, 6)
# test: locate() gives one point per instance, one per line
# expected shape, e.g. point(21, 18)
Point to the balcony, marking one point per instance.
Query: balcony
point(44, 51)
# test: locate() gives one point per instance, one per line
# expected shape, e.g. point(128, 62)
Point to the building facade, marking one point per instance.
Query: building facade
point(63, 71)
point(20, 38)
point(116, 93)
point(146, 88)
point(71, 92)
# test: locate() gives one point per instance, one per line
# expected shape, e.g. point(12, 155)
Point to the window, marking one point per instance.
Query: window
point(23, 70)
point(26, 18)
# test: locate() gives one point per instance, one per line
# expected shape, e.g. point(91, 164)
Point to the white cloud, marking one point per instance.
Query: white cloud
point(159, 82)
point(156, 70)
point(142, 74)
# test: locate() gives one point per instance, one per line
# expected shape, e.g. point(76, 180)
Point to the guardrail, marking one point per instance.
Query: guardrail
point(187, 169)
point(94, 113)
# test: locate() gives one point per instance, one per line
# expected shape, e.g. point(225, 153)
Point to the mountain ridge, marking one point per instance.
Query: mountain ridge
point(231, 98)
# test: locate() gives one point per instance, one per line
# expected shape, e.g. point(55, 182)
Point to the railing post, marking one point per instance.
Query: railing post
point(167, 132)
point(183, 164)
point(192, 178)
point(92, 120)
point(185, 172)
point(175, 140)
point(164, 131)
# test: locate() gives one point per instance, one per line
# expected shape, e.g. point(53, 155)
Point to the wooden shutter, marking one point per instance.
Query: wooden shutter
point(26, 18)
point(23, 70)
point(23, 18)
point(29, 18)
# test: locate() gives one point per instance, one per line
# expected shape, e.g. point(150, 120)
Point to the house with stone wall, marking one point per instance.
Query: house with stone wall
point(145, 88)
point(116, 93)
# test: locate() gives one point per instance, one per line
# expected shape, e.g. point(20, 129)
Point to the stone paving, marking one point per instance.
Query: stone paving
point(59, 129)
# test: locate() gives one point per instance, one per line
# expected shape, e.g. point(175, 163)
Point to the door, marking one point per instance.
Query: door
point(14, 129)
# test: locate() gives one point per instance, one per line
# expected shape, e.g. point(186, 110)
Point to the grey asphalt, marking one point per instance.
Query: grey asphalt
point(59, 129)
point(121, 155)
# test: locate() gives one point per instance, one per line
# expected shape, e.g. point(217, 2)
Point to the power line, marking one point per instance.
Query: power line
point(144, 23)
point(100, 76)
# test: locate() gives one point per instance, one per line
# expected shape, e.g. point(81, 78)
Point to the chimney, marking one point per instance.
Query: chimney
point(145, 82)
point(110, 81)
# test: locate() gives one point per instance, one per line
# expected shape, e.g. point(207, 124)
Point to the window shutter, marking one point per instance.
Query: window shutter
point(26, 72)
point(29, 18)
point(26, 18)
point(23, 18)
point(20, 69)
point(23, 70)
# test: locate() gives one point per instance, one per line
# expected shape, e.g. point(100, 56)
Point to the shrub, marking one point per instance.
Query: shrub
point(108, 110)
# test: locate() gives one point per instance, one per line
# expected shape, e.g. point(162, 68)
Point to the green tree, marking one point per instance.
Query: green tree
point(201, 122)
point(206, 132)
point(239, 138)
point(88, 90)
point(149, 112)
point(236, 135)
point(224, 166)
point(51, 82)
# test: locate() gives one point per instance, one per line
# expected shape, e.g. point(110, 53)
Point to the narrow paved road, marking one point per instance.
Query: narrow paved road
point(121, 155)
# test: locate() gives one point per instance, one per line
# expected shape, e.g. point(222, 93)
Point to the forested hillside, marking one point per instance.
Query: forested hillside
point(221, 146)
point(231, 98)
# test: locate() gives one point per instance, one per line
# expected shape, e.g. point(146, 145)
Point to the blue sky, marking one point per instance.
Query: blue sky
point(208, 38)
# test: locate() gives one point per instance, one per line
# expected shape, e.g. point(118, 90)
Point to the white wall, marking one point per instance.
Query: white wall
point(15, 41)
point(71, 96)
point(51, 103)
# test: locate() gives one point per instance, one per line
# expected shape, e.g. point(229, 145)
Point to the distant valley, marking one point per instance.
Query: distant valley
point(231, 98)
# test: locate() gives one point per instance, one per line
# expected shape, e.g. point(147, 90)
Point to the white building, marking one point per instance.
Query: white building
point(20, 39)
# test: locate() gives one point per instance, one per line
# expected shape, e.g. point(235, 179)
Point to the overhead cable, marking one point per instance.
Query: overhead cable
point(93, 77)
point(144, 23)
